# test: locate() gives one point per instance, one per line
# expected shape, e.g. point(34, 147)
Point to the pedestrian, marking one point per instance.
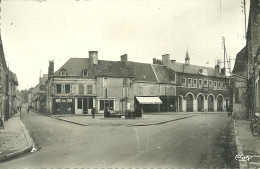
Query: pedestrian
point(129, 113)
point(93, 112)
point(126, 114)
point(27, 109)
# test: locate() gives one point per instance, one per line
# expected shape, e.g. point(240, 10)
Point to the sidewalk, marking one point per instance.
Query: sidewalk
point(247, 145)
point(14, 139)
point(147, 119)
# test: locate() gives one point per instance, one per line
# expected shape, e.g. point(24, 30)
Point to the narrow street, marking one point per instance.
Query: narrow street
point(192, 142)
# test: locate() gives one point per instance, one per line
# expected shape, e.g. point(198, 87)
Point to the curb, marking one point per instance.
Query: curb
point(240, 149)
point(22, 151)
point(161, 122)
point(127, 125)
point(70, 121)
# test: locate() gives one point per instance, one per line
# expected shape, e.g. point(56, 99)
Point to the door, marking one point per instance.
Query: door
point(189, 103)
point(220, 103)
point(210, 103)
point(200, 103)
point(85, 106)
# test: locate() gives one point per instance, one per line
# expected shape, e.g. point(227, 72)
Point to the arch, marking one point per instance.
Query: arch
point(202, 96)
point(210, 102)
point(191, 94)
point(189, 102)
point(220, 99)
point(211, 95)
point(200, 102)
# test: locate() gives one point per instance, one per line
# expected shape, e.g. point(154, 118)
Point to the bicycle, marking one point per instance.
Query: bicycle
point(255, 126)
point(1, 122)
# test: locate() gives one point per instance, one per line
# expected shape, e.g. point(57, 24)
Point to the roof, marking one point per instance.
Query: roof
point(163, 74)
point(75, 66)
point(189, 69)
point(143, 72)
point(112, 69)
point(241, 62)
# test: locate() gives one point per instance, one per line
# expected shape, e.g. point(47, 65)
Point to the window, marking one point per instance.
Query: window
point(200, 83)
point(106, 103)
point(125, 92)
point(189, 83)
point(67, 88)
point(205, 83)
point(89, 89)
point(195, 83)
point(215, 85)
point(79, 103)
point(219, 85)
point(183, 81)
point(85, 72)
point(63, 72)
point(105, 93)
point(58, 88)
point(125, 82)
point(81, 89)
point(210, 84)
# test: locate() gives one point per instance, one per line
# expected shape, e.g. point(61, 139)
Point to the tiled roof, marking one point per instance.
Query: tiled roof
point(164, 75)
point(143, 72)
point(75, 66)
point(112, 69)
point(241, 62)
point(188, 68)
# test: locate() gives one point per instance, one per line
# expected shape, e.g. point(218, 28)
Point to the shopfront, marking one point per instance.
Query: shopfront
point(148, 104)
point(73, 105)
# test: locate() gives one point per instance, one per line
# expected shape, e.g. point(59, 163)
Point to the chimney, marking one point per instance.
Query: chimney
point(166, 59)
point(51, 68)
point(217, 69)
point(124, 59)
point(93, 56)
point(223, 71)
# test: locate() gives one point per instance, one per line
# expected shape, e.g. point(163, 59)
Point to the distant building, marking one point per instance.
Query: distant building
point(199, 88)
point(83, 83)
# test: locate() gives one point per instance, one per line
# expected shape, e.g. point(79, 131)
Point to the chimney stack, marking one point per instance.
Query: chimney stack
point(217, 69)
point(93, 56)
point(166, 60)
point(51, 68)
point(124, 59)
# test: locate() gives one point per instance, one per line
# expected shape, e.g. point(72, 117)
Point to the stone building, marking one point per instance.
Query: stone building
point(83, 83)
point(246, 70)
point(199, 88)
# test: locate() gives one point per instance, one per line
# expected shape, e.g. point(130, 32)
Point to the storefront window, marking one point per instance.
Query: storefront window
point(79, 103)
point(102, 104)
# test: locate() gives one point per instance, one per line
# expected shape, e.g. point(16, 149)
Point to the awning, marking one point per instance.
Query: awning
point(149, 100)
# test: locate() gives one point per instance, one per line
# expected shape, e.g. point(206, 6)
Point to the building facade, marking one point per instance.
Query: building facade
point(199, 88)
point(246, 70)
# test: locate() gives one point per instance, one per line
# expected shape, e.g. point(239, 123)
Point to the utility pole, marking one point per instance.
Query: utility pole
point(244, 10)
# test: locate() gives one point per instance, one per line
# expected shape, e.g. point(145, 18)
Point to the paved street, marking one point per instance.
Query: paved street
point(199, 141)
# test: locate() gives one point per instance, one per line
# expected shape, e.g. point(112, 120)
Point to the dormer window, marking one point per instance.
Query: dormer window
point(63, 72)
point(85, 72)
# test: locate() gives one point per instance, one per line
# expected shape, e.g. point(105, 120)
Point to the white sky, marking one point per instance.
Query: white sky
point(34, 32)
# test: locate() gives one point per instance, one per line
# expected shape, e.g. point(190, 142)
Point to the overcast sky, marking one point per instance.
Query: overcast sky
point(34, 32)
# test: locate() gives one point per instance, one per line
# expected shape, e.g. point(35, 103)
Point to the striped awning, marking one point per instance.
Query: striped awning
point(149, 100)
